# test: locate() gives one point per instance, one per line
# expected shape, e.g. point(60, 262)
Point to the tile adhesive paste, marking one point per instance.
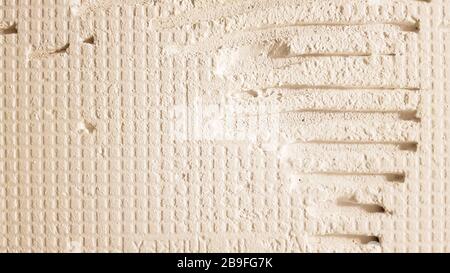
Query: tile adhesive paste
point(224, 126)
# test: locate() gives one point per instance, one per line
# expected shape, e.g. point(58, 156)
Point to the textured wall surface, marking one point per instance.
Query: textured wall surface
point(224, 125)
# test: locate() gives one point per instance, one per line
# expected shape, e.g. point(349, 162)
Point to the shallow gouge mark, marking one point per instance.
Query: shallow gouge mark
point(331, 54)
point(369, 208)
point(387, 176)
point(359, 239)
point(402, 115)
point(402, 146)
point(8, 28)
point(89, 40)
point(39, 54)
point(404, 26)
point(344, 87)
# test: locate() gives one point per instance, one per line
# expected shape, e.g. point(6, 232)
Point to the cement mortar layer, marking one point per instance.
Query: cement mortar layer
point(224, 126)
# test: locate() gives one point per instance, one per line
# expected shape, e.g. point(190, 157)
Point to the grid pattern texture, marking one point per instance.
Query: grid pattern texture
point(214, 126)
